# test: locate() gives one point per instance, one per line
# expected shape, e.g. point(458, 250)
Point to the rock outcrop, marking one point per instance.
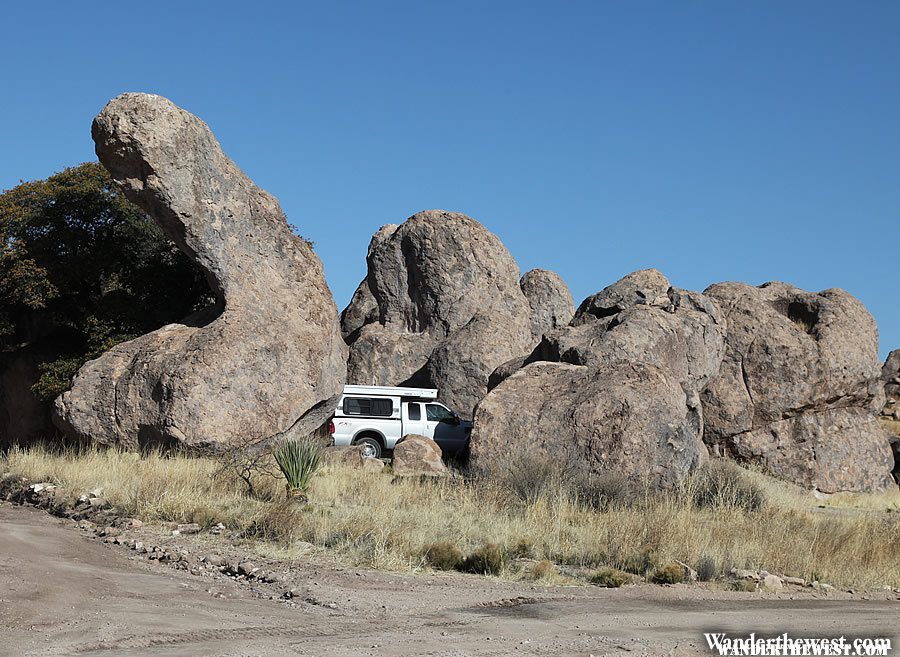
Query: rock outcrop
point(264, 361)
point(441, 307)
point(615, 391)
point(798, 387)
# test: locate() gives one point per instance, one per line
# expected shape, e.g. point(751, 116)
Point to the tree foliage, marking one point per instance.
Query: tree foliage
point(82, 269)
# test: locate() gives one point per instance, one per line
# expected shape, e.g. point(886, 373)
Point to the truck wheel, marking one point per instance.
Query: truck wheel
point(371, 447)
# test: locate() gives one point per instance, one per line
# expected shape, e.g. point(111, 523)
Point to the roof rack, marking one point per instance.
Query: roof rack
point(391, 391)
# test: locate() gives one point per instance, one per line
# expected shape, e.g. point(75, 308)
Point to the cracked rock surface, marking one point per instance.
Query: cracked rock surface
point(799, 387)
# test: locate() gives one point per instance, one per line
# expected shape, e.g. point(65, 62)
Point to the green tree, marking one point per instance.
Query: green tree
point(82, 269)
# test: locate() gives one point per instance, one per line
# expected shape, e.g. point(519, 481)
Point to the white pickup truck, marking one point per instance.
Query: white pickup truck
point(378, 416)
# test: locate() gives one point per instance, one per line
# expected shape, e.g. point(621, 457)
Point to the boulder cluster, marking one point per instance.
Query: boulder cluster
point(645, 379)
point(442, 305)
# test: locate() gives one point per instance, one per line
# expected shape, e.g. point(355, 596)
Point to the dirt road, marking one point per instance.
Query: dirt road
point(62, 593)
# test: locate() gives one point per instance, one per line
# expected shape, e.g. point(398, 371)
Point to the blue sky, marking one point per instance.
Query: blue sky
point(713, 140)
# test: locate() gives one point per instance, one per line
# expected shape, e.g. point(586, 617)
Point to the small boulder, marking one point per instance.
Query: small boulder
point(418, 455)
point(344, 456)
point(772, 583)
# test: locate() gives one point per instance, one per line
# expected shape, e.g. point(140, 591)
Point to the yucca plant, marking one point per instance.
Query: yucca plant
point(298, 461)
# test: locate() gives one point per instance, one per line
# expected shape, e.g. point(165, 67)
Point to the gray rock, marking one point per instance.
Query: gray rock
point(441, 307)
point(617, 390)
point(798, 386)
point(349, 456)
point(772, 583)
point(268, 351)
point(631, 419)
point(890, 378)
point(189, 528)
point(550, 300)
point(418, 455)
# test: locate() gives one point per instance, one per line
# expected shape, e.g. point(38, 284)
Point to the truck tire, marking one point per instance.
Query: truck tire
point(371, 446)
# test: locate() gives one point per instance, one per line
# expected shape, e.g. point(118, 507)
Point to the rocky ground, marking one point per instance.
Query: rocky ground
point(66, 590)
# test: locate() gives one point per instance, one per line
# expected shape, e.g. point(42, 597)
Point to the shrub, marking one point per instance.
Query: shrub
point(610, 578)
point(670, 574)
point(486, 560)
point(523, 549)
point(298, 461)
point(543, 570)
point(443, 555)
point(706, 568)
point(720, 484)
point(640, 563)
point(528, 476)
point(744, 585)
point(604, 491)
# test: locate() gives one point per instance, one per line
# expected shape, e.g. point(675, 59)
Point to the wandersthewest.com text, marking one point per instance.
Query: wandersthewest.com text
point(722, 644)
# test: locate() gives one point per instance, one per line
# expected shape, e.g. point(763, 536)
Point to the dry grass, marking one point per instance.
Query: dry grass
point(385, 522)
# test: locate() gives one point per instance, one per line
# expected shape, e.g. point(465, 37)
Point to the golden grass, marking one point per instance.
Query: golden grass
point(380, 521)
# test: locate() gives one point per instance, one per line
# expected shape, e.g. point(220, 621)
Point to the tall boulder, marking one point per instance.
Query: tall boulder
point(798, 388)
point(441, 306)
point(615, 391)
point(551, 302)
point(267, 358)
point(890, 378)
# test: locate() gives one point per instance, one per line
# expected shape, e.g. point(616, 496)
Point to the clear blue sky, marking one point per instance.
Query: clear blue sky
point(715, 140)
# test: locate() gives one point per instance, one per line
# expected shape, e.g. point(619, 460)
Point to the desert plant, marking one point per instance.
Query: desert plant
point(443, 555)
point(721, 484)
point(706, 568)
point(640, 562)
point(670, 574)
point(486, 560)
point(298, 461)
point(527, 476)
point(523, 549)
point(601, 491)
point(743, 585)
point(610, 578)
point(543, 570)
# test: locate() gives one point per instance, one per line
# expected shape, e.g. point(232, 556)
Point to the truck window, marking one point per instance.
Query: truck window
point(368, 406)
point(415, 411)
point(436, 413)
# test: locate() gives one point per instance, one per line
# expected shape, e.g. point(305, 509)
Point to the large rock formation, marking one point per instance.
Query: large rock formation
point(264, 361)
point(616, 391)
point(441, 306)
point(798, 387)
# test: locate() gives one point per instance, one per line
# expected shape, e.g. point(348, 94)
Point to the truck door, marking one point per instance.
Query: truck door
point(414, 419)
point(444, 428)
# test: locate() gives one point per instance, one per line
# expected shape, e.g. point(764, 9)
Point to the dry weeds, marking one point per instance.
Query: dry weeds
point(382, 521)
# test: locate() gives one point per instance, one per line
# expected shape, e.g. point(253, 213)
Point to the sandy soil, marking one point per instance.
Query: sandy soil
point(65, 593)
